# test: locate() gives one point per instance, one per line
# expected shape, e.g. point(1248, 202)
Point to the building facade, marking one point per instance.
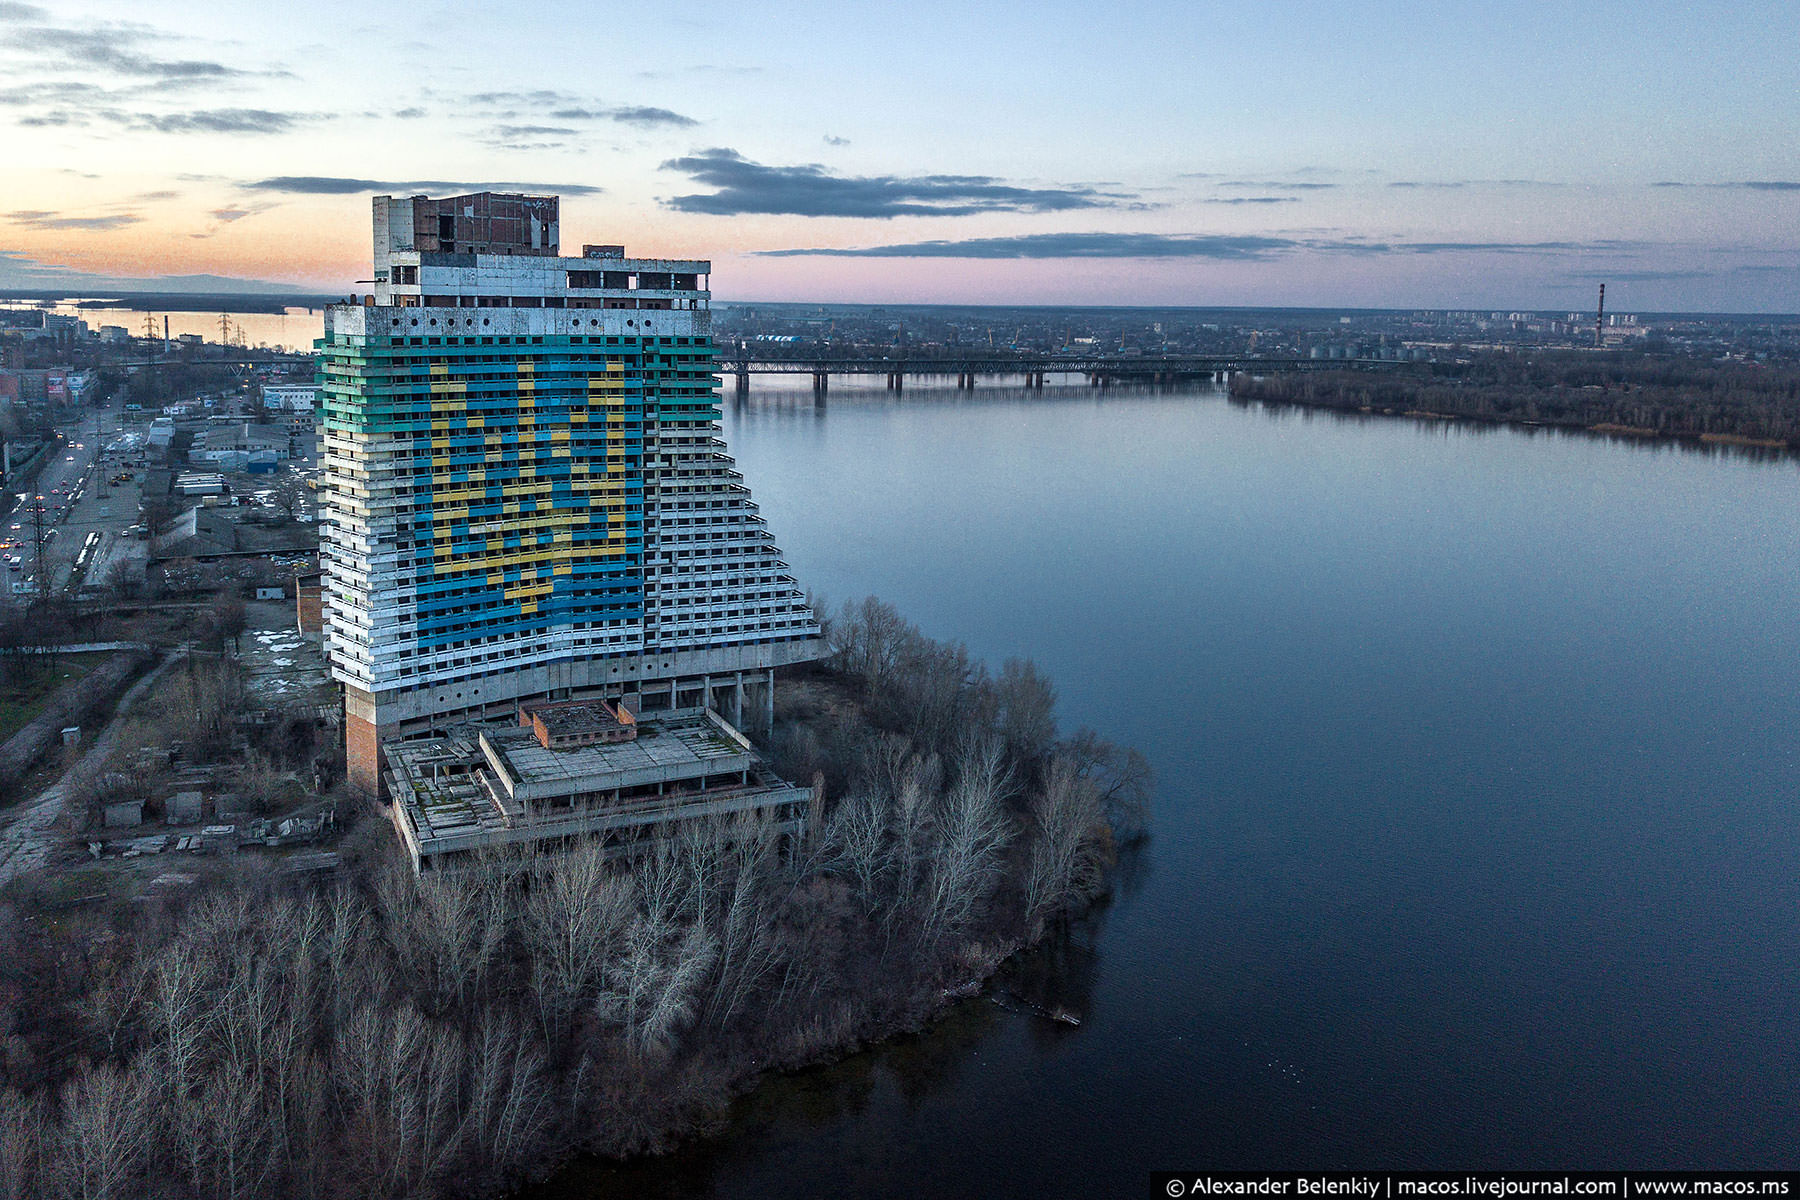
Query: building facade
point(525, 495)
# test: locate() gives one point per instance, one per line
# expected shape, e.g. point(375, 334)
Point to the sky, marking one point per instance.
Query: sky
point(1277, 152)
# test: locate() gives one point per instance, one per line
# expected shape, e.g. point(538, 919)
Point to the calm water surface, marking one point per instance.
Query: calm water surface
point(1475, 840)
point(293, 329)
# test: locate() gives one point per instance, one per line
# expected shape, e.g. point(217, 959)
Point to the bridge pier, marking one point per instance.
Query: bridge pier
point(743, 383)
point(821, 381)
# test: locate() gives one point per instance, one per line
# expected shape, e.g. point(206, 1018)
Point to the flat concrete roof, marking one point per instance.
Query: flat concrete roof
point(669, 748)
point(448, 795)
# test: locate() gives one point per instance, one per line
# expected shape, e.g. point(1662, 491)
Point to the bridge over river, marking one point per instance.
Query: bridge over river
point(1099, 370)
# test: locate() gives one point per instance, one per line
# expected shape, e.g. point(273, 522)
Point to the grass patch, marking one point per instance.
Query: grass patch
point(21, 700)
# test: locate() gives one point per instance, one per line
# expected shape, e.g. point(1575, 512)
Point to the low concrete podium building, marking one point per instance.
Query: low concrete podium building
point(576, 771)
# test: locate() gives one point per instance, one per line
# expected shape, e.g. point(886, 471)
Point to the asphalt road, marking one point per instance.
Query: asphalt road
point(103, 509)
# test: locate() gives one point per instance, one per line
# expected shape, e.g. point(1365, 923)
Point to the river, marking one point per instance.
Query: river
point(1474, 841)
point(294, 328)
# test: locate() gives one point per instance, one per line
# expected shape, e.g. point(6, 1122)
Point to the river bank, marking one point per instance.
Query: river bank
point(1738, 405)
point(464, 1032)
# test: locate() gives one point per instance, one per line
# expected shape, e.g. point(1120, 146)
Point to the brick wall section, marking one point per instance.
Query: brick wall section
point(307, 612)
point(362, 755)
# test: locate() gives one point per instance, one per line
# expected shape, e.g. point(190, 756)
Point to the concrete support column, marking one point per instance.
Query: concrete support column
point(769, 705)
point(743, 382)
point(821, 381)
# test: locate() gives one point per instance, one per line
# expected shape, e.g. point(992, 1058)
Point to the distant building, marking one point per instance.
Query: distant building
point(199, 483)
point(289, 397)
point(242, 437)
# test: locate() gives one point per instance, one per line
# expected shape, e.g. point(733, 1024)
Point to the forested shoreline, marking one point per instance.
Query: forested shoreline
point(460, 1033)
point(1606, 393)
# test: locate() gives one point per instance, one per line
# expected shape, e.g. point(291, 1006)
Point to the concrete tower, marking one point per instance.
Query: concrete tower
point(525, 492)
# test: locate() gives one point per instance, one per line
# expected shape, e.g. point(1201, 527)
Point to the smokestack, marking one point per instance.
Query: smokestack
point(1599, 317)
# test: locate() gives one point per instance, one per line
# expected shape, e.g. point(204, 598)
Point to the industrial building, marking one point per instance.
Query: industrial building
point(525, 496)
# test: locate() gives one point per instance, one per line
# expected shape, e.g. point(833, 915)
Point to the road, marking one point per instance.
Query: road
point(27, 839)
point(102, 509)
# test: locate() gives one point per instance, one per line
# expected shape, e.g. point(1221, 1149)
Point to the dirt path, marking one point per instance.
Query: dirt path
point(26, 840)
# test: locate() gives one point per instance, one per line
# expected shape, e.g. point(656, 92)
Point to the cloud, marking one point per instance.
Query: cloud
point(34, 218)
point(226, 216)
point(1277, 186)
point(10, 11)
point(113, 48)
point(831, 139)
point(1069, 245)
point(1466, 183)
point(1747, 185)
point(1221, 247)
point(338, 185)
point(638, 114)
point(1610, 245)
point(540, 96)
point(743, 186)
point(18, 271)
point(222, 120)
point(1251, 200)
point(519, 131)
point(1642, 276)
point(564, 106)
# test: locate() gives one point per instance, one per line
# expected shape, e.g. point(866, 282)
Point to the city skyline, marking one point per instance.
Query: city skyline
point(1284, 154)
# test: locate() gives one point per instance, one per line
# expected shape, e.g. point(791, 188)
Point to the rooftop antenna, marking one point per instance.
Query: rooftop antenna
point(1599, 316)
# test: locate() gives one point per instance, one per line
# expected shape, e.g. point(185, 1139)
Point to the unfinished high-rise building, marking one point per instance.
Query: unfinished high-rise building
point(526, 497)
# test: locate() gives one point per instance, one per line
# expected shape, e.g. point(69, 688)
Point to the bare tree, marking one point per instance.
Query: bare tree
point(972, 830)
point(573, 918)
point(101, 1142)
point(1026, 710)
point(21, 1144)
point(446, 931)
point(857, 833)
point(1068, 843)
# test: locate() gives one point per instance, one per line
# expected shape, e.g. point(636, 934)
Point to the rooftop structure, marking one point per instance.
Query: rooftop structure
point(525, 496)
point(578, 723)
point(484, 786)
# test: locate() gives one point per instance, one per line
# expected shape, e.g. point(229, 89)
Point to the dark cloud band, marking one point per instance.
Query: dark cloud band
point(742, 186)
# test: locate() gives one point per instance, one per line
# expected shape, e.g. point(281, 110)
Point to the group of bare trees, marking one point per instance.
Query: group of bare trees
point(457, 1032)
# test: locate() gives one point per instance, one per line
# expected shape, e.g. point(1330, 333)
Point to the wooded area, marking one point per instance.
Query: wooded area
point(1662, 396)
point(389, 1035)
